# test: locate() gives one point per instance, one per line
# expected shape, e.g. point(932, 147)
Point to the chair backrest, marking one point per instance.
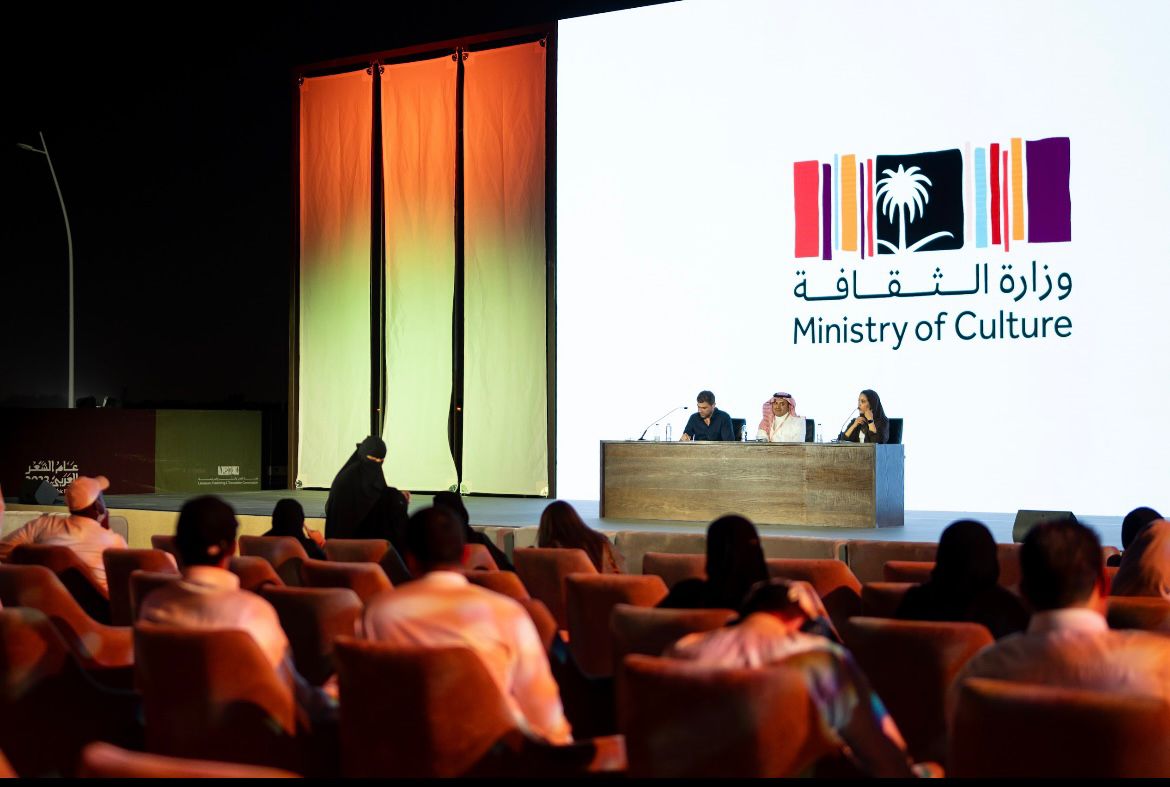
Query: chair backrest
point(75, 575)
point(543, 572)
point(913, 571)
point(106, 761)
point(649, 630)
point(166, 544)
point(737, 425)
point(285, 554)
point(867, 558)
point(895, 431)
point(1110, 575)
point(589, 599)
point(546, 625)
point(1148, 613)
point(682, 719)
point(674, 568)
point(49, 708)
point(394, 566)
point(212, 694)
point(356, 550)
point(142, 583)
point(254, 572)
point(365, 579)
point(313, 618)
point(119, 564)
point(476, 557)
point(881, 599)
point(911, 664)
point(810, 429)
point(506, 582)
point(95, 644)
point(415, 712)
point(1006, 729)
point(838, 588)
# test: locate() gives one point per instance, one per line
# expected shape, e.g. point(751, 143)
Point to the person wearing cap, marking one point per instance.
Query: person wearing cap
point(781, 424)
point(85, 530)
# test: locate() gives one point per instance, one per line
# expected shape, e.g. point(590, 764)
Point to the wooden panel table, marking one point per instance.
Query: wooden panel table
point(799, 484)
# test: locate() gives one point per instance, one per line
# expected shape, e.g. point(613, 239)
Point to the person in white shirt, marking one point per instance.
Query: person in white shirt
point(85, 530)
point(442, 609)
point(781, 424)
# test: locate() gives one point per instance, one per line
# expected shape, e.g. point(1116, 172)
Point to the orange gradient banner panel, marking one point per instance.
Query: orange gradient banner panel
point(336, 131)
point(505, 427)
point(418, 161)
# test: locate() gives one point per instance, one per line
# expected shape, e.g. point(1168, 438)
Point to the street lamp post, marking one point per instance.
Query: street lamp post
point(44, 150)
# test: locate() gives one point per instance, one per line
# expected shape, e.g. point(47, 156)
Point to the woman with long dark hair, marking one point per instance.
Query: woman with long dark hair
point(735, 562)
point(288, 519)
point(562, 527)
point(871, 426)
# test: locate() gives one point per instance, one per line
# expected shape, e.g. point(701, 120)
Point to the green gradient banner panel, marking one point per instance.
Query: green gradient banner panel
point(207, 451)
point(336, 119)
point(418, 155)
point(505, 428)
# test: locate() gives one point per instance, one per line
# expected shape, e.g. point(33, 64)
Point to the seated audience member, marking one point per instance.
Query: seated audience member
point(1068, 643)
point(441, 608)
point(358, 505)
point(288, 520)
point(772, 628)
point(709, 423)
point(454, 503)
point(85, 530)
point(561, 527)
point(964, 585)
point(735, 562)
point(1135, 521)
point(209, 596)
point(781, 424)
point(1145, 566)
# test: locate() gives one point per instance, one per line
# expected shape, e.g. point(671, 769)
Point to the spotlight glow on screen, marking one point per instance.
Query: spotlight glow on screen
point(962, 207)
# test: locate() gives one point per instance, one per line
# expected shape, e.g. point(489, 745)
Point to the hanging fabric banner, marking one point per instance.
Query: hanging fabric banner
point(336, 121)
point(505, 428)
point(418, 155)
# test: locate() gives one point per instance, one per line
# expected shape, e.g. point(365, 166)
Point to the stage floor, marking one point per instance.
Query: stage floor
point(525, 512)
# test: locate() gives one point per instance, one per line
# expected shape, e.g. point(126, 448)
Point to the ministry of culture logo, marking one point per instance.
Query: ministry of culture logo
point(932, 201)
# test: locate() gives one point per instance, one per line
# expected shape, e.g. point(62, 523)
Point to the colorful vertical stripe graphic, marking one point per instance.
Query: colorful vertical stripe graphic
point(994, 185)
point(805, 188)
point(826, 201)
point(838, 185)
point(1017, 189)
point(1006, 232)
point(1049, 200)
point(980, 198)
point(849, 216)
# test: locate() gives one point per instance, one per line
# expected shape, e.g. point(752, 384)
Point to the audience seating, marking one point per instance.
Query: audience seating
point(1110, 573)
point(119, 563)
point(649, 630)
point(546, 625)
point(502, 537)
point(1149, 613)
point(867, 559)
point(142, 583)
point(589, 601)
point(636, 544)
point(212, 694)
point(166, 544)
point(437, 712)
point(911, 664)
point(254, 572)
point(313, 618)
point(543, 573)
point(394, 566)
point(356, 550)
point(693, 721)
point(285, 554)
point(914, 572)
point(96, 645)
point(476, 557)
point(1018, 730)
point(365, 579)
point(506, 582)
point(6, 771)
point(49, 707)
point(76, 576)
point(673, 567)
point(105, 761)
point(881, 599)
point(831, 579)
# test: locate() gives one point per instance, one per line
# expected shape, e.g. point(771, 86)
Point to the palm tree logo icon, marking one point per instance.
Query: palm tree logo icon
point(905, 191)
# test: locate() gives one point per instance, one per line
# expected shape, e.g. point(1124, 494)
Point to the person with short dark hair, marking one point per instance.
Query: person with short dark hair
point(872, 425)
point(1068, 643)
point(709, 423)
point(561, 527)
point(964, 584)
point(453, 502)
point(1133, 523)
point(441, 609)
point(735, 563)
point(288, 520)
point(1145, 566)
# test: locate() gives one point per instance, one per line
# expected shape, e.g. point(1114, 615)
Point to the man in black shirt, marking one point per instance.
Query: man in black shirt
point(710, 423)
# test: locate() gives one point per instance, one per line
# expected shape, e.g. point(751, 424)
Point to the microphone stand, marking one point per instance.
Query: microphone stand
point(657, 421)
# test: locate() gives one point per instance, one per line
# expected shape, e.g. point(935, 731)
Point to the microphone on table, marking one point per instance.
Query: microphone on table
point(845, 425)
point(658, 419)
